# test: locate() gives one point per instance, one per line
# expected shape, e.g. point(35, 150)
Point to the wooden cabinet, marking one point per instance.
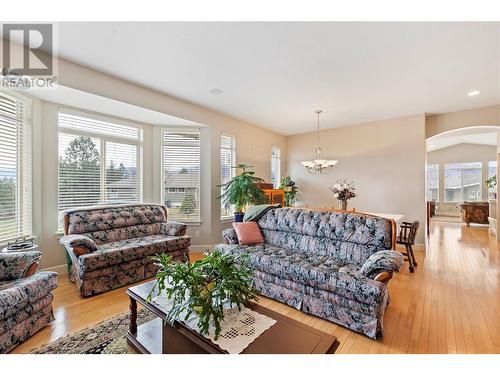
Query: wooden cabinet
point(274, 195)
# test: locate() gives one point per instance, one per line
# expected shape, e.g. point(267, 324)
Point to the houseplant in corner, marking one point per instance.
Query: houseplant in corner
point(208, 288)
point(242, 190)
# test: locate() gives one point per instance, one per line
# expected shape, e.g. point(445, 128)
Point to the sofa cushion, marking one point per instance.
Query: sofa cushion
point(112, 253)
point(248, 233)
point(340, 226)
point(317, 271)
point(25, 313)
point(93, 219)
point(119, 234)
point(17, 294)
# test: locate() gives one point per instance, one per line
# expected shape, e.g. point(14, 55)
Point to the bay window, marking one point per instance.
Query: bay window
point(100, 161)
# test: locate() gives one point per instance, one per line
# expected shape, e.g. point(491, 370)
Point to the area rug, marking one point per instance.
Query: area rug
point(107, 337)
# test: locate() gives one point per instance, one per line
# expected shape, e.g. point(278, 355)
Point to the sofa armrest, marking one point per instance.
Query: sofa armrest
point(382, 264)
point(174, 228)
point(229, 236)
point(78, 244)
point(16, 265)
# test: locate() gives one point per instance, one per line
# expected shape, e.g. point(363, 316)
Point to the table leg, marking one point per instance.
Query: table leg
point(133, 316)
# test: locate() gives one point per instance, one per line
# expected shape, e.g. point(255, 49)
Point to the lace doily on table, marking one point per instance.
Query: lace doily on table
point(238, 330)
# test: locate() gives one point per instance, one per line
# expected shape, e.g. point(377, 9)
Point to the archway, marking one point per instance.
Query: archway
point(458, 162)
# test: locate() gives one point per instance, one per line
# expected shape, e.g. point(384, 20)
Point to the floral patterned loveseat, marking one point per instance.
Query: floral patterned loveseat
point(109, 246)
point(25, 297)
point(332, 264)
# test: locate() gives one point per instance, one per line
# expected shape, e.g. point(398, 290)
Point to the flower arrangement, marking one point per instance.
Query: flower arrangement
point(343, 191)
point(291, 190)
point(206, 287)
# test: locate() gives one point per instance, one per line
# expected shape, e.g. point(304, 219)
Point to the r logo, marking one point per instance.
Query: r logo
point(29, 61)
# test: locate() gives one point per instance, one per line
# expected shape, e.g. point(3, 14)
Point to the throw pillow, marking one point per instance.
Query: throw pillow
point(248, 233)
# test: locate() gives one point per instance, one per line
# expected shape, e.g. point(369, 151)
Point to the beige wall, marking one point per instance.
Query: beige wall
point(385, 159)
point(484, 116)
point(462, 153)
point(253, 147)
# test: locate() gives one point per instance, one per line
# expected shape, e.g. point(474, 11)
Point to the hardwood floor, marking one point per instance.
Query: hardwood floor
point(451, 304)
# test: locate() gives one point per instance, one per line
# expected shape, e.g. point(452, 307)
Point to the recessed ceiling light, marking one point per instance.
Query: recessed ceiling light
point(215, 91)
point(474, 93)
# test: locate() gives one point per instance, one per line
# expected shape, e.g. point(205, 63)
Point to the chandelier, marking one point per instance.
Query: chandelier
point(319, 164)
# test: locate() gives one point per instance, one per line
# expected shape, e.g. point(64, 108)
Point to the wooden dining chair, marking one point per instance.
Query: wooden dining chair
point(406, 237)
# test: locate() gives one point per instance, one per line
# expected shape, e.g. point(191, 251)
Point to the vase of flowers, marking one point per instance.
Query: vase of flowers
point(291, 190)
point(343, 191)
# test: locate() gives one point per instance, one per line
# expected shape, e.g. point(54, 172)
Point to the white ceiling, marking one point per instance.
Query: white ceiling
point(276, 74)
point(469, 136)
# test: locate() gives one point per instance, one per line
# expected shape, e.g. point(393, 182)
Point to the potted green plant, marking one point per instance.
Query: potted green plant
point(242, 190)
point(492, 184)
point(291, 190)
point(207, 287)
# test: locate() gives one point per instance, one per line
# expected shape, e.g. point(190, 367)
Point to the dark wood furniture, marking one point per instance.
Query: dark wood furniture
point(273, 195)
point(286, 336)
point(406, 237)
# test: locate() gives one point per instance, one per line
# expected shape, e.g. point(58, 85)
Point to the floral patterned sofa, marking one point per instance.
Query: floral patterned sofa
point(109, 246)
point(25, 298)
point(332, 264)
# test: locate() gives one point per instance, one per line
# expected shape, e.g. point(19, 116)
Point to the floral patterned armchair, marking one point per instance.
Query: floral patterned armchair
point(110, 246)
point(331, 264)
point(25, 297)
point(474, 212)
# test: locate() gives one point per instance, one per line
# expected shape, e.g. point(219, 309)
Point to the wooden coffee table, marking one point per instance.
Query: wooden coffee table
point(286, 336)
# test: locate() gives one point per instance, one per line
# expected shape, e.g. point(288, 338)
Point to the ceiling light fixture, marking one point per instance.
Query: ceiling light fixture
point(474, 93)
point(215, 91)
point(319, 165)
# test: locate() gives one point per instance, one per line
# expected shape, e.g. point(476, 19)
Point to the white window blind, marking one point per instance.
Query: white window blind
point(227, 170)
point(15, 167)
point(100, 162)
point(181, 169)
point(276, 167)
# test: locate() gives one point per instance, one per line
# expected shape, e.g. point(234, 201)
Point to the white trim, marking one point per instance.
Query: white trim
point(61, 269)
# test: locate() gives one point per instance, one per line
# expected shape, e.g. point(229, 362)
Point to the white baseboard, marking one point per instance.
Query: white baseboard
point(61, 269)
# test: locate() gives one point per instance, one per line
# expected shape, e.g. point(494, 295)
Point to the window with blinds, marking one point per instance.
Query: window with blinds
point(181, 174)
point(276, 167)
point(99, 161)
point(15, 167)
point(227, 170)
